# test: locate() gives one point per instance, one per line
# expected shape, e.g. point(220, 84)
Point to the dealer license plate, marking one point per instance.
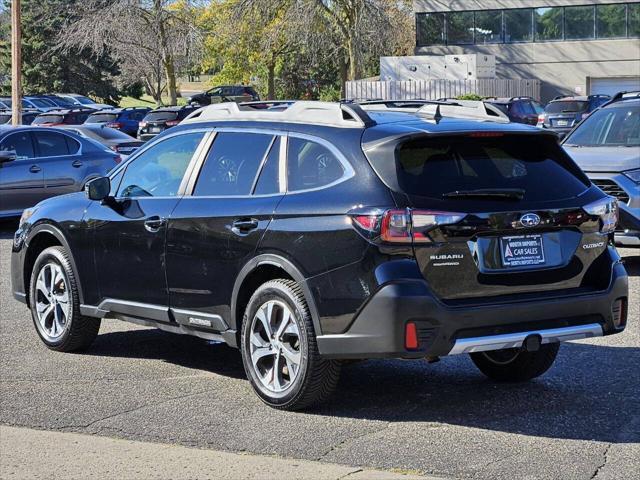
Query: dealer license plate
point(522, 250)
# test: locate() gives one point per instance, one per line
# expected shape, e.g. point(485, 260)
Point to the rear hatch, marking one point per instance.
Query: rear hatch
point(564, 113)
point(158, 121)
point(49, 119)
point(495, 215)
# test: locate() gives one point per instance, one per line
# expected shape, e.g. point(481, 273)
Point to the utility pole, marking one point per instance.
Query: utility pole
point(16, 61)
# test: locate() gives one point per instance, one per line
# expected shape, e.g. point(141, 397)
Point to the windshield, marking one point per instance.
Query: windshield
point(40, 102)
point(566, 106)
point(102, 118)
point(619, 126)
point(48, 119)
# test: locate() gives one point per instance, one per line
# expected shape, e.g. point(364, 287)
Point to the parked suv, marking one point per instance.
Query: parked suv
point(126, 120)
point(563, 113)
point(322, 232)
point(519, 109)
point(28, 115)
point(160, 119)
point(607, 147)
point(226, 93)
point(74, 116)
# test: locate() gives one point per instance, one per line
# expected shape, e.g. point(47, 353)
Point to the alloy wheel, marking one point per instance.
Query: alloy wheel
point(52, 301)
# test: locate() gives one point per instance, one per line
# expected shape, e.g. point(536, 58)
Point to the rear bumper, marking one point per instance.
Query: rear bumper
point(378, 331)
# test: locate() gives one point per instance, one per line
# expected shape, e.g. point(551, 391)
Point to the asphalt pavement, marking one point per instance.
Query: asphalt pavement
point(579, 421)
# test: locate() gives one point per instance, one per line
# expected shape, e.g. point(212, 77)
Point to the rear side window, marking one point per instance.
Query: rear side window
point(566, 107)
point(51, 144)
point(269, 179)
point(19, 143)
point(232, 164)
point(311, 165)
point(434, 167)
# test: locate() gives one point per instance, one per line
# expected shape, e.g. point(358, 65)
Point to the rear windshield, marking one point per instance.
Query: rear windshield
point(566, 107)
point(48, 119)
point(102, 118)
point(434, 167)
point(618, 126)
point(111, 134)
point(161, 115)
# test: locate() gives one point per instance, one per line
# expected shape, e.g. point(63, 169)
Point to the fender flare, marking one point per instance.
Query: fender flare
point(287, 266)
point(57, 233)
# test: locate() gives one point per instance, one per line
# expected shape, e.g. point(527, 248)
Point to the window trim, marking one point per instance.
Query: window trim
point(33, 146)
point(61, 132)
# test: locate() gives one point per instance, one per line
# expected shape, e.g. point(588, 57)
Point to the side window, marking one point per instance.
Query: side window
point(311, 165)
point(232, 164)
point(269, 181)
point(19, 143)
point(51, 144)
point(158, 171)
point(72, 145)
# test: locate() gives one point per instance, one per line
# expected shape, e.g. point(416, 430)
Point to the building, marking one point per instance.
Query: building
point(573, 47)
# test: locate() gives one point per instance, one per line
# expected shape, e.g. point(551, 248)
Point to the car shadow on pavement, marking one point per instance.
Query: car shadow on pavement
point(588, 394)
point(632, 264)
point(8, 226)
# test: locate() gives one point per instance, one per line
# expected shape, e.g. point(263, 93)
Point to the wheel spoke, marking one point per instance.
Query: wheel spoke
point(277, 373)
point(264, 319)
point(286, 320)
point(62, 297)
point(41, 285)
point(257, 340)
point(259, 353)
point(290, 354)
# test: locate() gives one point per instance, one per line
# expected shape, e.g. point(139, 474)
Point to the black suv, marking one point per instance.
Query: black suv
point(73, 116)
point(519, 109)
point(564, 112)
point(226, 93)
point(160, 119)
point(322, 232)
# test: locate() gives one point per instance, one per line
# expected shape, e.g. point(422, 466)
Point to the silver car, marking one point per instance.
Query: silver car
point(607, 147)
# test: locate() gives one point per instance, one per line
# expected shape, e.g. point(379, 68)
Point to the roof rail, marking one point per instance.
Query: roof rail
point(309, 112)
point(558, 97)
point(470, 109)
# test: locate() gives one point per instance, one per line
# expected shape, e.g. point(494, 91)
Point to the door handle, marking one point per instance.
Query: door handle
point(153, 224)
point(35, 169)
point(244, 226)
point(76, 164)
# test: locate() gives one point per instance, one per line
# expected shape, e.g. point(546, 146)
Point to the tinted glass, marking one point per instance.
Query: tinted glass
point(548, 23)
point(611, 126)
point(19, 143)
point(517, 25)
point(158, 171)
point(460, 27)
point(84, 100)
point(310, 165)
point(430, 28)
point(634, 19)
point(161, 115)
point(232, 164)
point(73, 145)
point(111, 134)
point(488, 26)
point(434, 167)
point(42, 103)
point(40, 119)
point(579, 22)
point(269, 182)
point(51, 144)
point(566, 106)
point(102, 118)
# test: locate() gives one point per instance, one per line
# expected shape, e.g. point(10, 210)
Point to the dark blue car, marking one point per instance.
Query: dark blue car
point(124, 119)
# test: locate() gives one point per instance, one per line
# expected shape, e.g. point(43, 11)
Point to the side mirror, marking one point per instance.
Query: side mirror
point(7, 156)
point(98, 188)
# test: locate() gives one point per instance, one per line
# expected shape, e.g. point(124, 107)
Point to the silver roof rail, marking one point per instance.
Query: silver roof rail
point(308, 112)
point(469, 109)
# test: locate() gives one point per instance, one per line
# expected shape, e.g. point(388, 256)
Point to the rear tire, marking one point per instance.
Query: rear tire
point(55, 304)
point(279, 349)
point(514, 365)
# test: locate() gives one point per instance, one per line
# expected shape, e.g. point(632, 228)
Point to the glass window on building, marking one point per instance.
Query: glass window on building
point(517, 25)
point(548, 23)
point(579, 22)
point(489, 26)
point(634, 19)
point(430, 28)
point(611, 21)
point(459, 28)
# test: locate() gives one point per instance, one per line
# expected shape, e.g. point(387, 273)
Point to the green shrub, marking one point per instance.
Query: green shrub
point(470, 96)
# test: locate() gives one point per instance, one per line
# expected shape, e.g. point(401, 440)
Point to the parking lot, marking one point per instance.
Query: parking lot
point(580, 420)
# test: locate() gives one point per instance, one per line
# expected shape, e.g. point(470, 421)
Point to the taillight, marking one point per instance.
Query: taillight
point(607, 210)
point(142, 124)
point(411, 336)
point(117, 159)
point(116, 125)
point(396, 226)
point(541, 118)
point(172, 123)
point(425, 220)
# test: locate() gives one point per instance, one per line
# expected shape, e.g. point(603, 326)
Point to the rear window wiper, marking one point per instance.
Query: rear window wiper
point(506, 193)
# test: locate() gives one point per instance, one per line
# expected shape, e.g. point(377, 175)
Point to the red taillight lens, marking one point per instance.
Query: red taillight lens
point(142, 124)
point(404, 226)
point(172, 123)
point(396, 226)
point(116, 125)
point(486, 134)
point(541, 118)
point(410, 336)
point(367, 222)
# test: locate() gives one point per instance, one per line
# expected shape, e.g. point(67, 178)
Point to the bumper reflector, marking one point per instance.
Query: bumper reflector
point(619, 312)
point(411, 336)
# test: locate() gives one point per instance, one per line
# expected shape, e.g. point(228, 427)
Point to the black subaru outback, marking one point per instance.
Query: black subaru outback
point(320, 232)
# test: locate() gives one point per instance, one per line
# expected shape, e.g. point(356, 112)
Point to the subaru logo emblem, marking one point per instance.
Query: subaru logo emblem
point(529, 220)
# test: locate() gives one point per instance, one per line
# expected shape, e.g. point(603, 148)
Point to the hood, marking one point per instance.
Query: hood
point(605, 159)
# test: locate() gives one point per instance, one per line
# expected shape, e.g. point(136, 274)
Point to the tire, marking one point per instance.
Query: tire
point(264, 345)
point(64, 329)
point(514, 365)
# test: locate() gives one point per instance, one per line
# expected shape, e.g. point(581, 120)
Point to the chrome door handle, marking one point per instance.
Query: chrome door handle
point(35, 169)
point(153, 224)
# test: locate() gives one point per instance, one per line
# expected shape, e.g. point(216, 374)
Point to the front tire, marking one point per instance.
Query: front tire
point(55, 304)
point(515, 365)
point(279, 349)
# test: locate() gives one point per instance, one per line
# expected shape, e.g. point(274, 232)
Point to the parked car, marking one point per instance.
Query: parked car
point(111, 138)
point(82, 101)
point(323, 232)
point(75, 116)
point(124, 119)
point(607, 147)
point(160, 119)
point(37, 103)
point(563, 113)
point(38, 163)
point(27, 116)
point(57, 101)
point(519, 109)
point(226, 93)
